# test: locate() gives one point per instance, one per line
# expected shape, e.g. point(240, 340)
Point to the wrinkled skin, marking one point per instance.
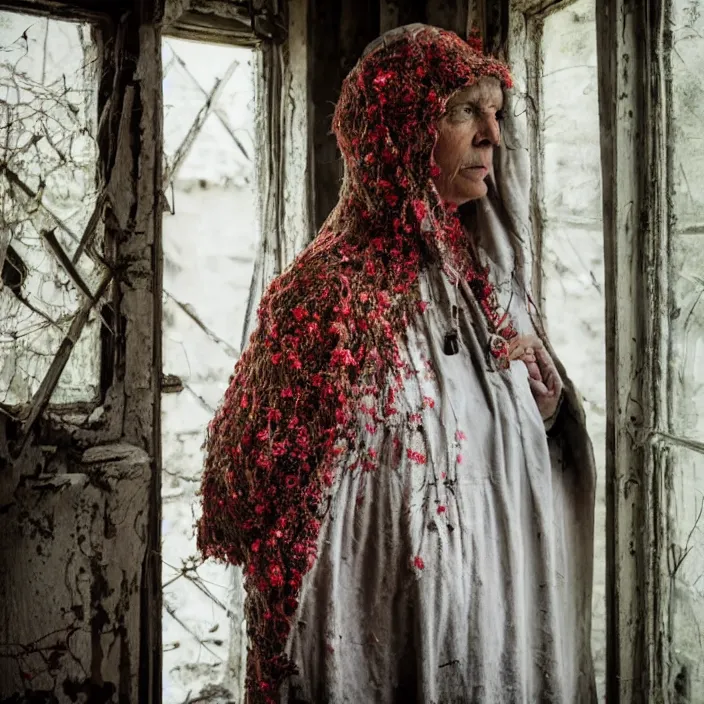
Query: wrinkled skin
point(543, 377)
point(467, 135)
point(468, 132)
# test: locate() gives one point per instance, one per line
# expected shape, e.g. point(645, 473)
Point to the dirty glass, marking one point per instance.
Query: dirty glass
point(687, 239)
point(685, 562)
point(573, 250)
point(48, 83)
point(210, 238)
point(685, 325)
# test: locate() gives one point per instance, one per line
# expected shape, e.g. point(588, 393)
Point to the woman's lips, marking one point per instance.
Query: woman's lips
point(477, 169)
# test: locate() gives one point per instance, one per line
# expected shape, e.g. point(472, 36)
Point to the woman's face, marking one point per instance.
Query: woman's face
point(467, 134)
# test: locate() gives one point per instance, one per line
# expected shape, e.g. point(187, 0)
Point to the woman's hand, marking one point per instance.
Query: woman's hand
point(543, 377)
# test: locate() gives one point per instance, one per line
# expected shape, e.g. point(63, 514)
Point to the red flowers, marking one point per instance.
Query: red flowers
point(420, 210)
point(383, 77)
point(276, 577)
point(417, 457)
point(328, 337)
point(342, 357)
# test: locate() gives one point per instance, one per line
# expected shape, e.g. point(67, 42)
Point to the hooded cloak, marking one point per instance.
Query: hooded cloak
point(408, 530)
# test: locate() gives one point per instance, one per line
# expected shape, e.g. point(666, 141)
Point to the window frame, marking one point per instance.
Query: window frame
point(634, 102)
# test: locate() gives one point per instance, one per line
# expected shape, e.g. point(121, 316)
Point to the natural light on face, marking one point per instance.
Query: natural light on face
point(467, 135)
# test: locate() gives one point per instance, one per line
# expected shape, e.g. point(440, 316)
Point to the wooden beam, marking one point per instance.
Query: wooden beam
point(448, 14)
point(72, 10)
point(396, 13)
point(201, 27)
point(532, 7)
point(227, 21)
point(130, 144)
point(339, 32)
point(633, 100)
point(496, 18)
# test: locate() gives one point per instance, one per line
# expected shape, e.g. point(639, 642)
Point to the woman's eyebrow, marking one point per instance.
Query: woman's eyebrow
point(479, 104)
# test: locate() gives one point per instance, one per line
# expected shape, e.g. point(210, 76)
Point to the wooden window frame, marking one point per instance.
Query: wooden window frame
point(133, 389)
point(633, 96)
point(633, 93)
point(632, 49)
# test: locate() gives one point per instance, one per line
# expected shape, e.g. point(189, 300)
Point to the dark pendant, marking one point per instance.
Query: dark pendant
point(451, 345)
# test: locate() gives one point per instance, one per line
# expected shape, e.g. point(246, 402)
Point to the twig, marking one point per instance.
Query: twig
point(217, 112)
point(184, 568)
point(172, 612)
point(196, 581)
point(65, 262)
point(15, 179)
point(190, 138)
point(200, 399)
point(91, 227)
point(188, 310)
point(51, 379)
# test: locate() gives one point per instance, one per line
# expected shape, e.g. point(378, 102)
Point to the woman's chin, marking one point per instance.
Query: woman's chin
point(476, 191)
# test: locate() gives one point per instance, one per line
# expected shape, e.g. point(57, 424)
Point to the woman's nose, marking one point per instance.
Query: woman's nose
point(489, 132)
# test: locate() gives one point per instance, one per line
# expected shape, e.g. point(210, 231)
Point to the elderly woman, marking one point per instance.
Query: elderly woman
point(398, 464)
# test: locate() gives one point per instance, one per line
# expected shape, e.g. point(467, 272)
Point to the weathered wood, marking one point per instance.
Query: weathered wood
point(533, 58)
point(102, 632)
point(396, 13)
point(141, 307)
point(70, 610)
point(283, 155)
point(201, 27)
point(448, 14)
point(78, 10)
point(227, 21)
point(339, 33)
point(496, 17)
point(633, 132)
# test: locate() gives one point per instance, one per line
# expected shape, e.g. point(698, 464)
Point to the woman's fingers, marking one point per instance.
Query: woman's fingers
point(533, 370)
point(539, 388)
point(524, 345)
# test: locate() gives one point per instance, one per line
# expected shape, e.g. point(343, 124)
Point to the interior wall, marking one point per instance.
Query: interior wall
point(339, 32)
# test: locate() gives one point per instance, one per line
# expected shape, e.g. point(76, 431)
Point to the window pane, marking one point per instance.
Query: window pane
point(573, 250)
point(685, 561)
point(210, 239)
point(48, 90)
point(687, 246)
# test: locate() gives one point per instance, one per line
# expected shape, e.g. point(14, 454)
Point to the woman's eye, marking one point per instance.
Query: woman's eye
point(500, 115)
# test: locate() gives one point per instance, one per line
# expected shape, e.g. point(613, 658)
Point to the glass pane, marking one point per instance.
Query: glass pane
point(573, 250)
point(210, 239)
point(48, 97)
point(687, 246)
point(686, 568)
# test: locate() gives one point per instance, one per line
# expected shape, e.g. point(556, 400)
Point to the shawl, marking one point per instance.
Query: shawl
point(325, 349)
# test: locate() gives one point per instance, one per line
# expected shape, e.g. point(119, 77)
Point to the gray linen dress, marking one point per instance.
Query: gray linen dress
point(460, 568)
